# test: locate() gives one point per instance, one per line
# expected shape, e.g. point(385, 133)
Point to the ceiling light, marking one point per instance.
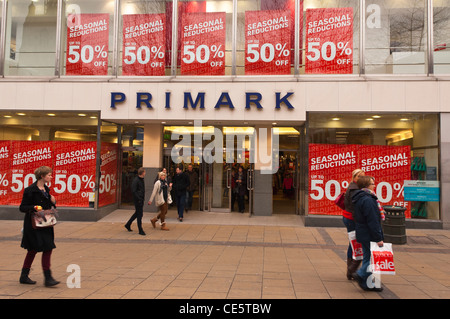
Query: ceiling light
point(93, 117)
point(376, 116)
point(335, 119)
point(81, 114)
point(21, 114)
point(369, 119)
point(7, 116)
point(404, 120)
point(51, 114)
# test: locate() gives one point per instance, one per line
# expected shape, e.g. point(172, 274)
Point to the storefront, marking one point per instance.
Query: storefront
point(296, 92)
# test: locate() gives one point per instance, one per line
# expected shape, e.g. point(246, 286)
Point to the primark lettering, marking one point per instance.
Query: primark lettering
point(252, 99)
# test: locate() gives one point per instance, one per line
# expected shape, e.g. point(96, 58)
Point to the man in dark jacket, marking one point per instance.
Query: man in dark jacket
point(180, 184)
point(138, 191)
point(368, 227)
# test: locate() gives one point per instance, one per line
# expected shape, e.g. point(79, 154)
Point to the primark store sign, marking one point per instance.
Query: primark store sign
point(197, 101)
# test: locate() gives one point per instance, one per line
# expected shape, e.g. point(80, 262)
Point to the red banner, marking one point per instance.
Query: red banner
point(74, 172)
point(329, 41)
point(26, 156)
point(108, 174)
point(203, 43)
point(330, 168)
point(73, 165)
point(144, 45)
point(87, 44)
point(268, 42)
point(5, 171)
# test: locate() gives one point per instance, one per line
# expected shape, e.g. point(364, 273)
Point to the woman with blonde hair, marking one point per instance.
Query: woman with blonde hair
point(161, 194)
point(352, 265)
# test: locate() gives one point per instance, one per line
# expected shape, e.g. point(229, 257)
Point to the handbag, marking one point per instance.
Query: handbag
point(357, 250)
point(44, 218)
point(382, 259)
point(339, 201)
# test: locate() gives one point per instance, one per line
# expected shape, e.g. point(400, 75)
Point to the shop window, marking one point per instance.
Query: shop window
point(87, 37)
point(394, 148)
point(48, 126)
point(396, 37)
point(441, 23)
point(30, 38)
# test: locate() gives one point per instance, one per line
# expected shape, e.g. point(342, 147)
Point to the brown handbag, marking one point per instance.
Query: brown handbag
point(44, 218)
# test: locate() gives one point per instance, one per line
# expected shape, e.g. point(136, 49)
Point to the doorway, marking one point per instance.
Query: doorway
point(220, 189)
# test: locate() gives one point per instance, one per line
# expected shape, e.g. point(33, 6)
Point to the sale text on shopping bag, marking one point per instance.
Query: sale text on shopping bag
point(382, 259)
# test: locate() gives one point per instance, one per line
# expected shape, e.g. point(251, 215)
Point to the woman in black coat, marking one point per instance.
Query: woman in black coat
point(367, 218)
point(40, 239)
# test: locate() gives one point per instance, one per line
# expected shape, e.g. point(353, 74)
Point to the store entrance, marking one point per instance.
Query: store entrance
point(225, 184)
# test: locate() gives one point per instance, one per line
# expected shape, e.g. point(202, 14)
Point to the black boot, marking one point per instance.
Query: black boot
point(24, 279)
point(49, 280)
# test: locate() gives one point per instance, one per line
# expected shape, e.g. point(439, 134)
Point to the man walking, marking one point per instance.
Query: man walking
point(180, 184)
point(138, 191)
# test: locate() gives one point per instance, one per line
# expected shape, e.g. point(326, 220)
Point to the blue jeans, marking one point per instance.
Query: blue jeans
point(350, 224)
point(181, 202)
point(364, 272)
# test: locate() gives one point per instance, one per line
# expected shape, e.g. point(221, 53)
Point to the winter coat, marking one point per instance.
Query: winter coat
point(193, 180)
point(240, 188)
point(367, 217)
point(158, 194)
point(352, 188)
point(41, 239)
point(138, 190)
point(180, 183)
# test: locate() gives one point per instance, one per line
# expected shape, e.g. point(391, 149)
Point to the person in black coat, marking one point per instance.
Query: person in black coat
point(40, 239)
point(138, 191)
point(180, 184)
point(367, 217)
point(240, 187)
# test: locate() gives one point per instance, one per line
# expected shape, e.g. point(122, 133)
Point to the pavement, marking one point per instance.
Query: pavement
point(217, 256)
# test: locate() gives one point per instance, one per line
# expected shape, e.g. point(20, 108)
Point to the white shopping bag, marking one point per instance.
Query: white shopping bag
point(382, 259)
point(357, 251)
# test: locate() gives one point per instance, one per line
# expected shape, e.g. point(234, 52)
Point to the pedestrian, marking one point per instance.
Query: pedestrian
point(352, 265)
point(180, 184)
point(39, 239)
point(367, 217)
point(240, 187)
point(161, 191)
point(193, 186)
point(138, 191)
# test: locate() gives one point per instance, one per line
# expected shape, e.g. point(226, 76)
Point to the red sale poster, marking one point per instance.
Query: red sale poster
point(331, 166)
point(26, 156)
point(268, 42)
point(390, 166)
point(203, 43)
point(5, 171)
point(87, 44)
point(108, 177)
point(330, 171)
point(144, 45)
point(329, 41)
point(74, 172)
